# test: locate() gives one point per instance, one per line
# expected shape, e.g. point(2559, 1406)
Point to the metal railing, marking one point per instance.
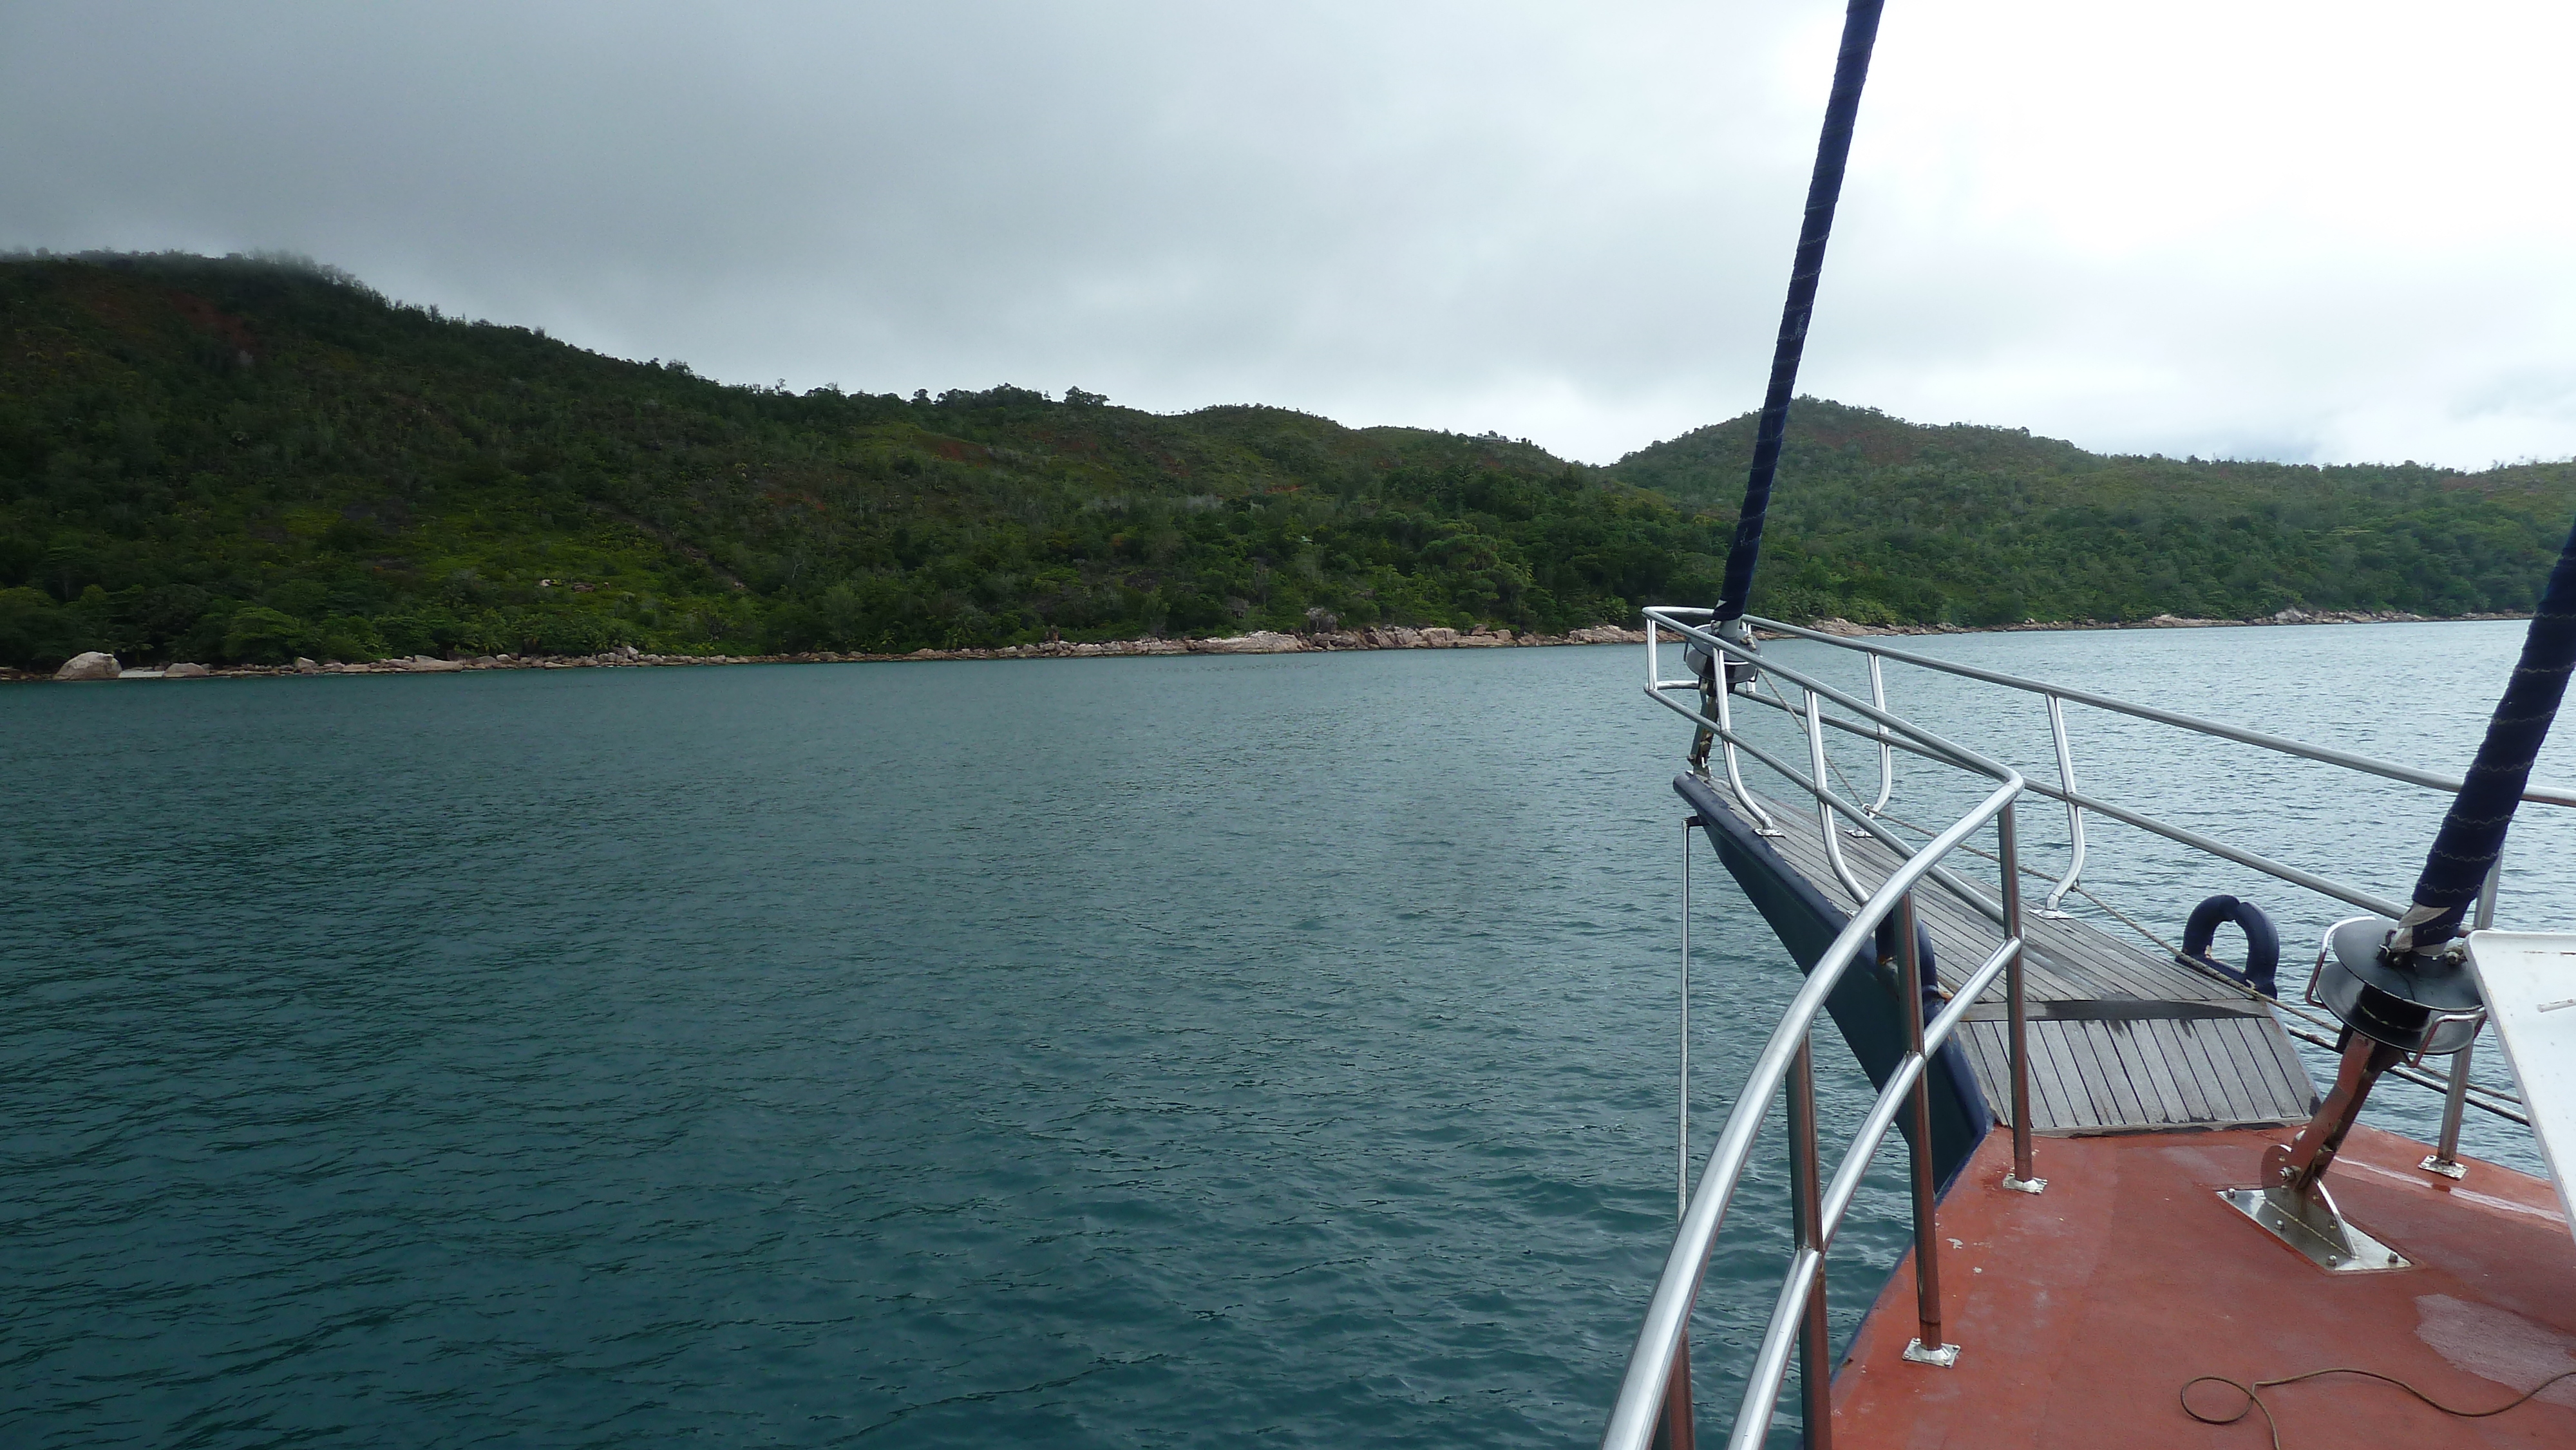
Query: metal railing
point(2318, 1029)
point(2056, 697)
point(1799, 1318)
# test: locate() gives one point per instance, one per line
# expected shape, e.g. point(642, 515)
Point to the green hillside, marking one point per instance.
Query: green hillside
point(246, 460)
point(1879, 520)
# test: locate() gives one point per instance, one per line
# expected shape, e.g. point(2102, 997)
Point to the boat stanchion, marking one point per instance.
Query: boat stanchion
point(2445, 1157)
point(2008, 850)
point(1673, 1424)
point(1807, 1204)
point(1719, 681)
point(1928, 1346)
point(2074, 813)
point(1681, 1130)
point(1673, 1427)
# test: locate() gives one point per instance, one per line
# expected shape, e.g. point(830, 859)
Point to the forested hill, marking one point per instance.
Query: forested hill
point(243, 460)
point(1879, 520)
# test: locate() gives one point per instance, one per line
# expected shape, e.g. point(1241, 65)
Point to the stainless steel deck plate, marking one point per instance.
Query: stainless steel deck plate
point(2315, 1228)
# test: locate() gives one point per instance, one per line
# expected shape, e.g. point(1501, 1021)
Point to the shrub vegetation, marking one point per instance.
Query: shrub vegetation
point(1882, 521)
point(247, 459)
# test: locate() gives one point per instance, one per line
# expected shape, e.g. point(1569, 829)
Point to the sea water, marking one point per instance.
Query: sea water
point(1085, 1053)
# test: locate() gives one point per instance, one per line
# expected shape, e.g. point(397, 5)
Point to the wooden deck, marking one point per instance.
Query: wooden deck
point(2121, 1040)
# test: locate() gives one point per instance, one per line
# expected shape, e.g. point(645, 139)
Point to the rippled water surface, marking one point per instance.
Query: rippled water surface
point(1120, 1052)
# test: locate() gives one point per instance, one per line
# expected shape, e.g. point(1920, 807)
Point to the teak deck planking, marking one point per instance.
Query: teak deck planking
point(2121, 1040)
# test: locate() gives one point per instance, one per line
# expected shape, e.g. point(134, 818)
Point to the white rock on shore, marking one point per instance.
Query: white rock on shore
point(1259, 642)
point(1605, 634)
point(91, 666)
point(186, 672)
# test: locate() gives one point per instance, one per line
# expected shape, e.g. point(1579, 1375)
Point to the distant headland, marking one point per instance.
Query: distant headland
point(240, 463)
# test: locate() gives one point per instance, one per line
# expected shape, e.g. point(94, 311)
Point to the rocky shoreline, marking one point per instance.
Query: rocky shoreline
point(105, 667)
point(1260, 642)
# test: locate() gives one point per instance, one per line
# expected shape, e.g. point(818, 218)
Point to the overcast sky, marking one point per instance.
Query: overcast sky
point(2316, 232)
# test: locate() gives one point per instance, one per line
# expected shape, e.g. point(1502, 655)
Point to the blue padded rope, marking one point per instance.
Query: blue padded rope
point(2472, 834)
point(1851, 68)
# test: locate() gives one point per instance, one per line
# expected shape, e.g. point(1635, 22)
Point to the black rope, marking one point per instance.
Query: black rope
point(2254, 1397)
point(2472, 834)
point(1851, 68)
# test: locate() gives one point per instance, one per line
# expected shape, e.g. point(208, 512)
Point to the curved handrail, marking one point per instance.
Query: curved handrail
point(2484, 1098)
point(1832, 836)
point(1860, 817)
point(2551, 795)
point(1866, 818)
point(1641, 1392)
point(2074, 813)
point(1886, 748)
point(1641, 1401)
point(1771, 1360)
point(1903, 733)
point(1632, 1419)
point(1940, 747)
point(2076, 800)
point(2184, 835)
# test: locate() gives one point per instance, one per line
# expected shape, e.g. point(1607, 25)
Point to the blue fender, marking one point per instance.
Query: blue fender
point(2262, 943)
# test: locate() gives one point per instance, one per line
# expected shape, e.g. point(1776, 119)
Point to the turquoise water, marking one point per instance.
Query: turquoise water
point(1124, 1052)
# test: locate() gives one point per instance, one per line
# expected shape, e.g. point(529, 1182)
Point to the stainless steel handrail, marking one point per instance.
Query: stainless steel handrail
point(2184, 835)
point(1867, 819)
point(1886, 747)
point(2074, 812)
point(1935, 746)
point(2551, 795)
point(1833, 835)
point(2489, 1100)
point(1762, 1388)
point(1650, 1364)
point(1862, 820)
point(2077, 802)
point(1797, 1317)
point(1641, 1392)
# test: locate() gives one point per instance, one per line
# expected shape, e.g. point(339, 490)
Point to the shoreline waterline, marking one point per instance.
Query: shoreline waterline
point(1256, 642)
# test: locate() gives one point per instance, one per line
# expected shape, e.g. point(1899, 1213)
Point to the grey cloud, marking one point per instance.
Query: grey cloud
point(1567, 224)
